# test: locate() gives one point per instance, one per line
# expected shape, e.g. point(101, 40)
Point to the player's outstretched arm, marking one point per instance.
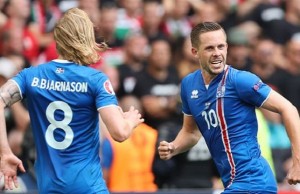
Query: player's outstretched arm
point(290, 117)
point(120, 124)
point(187, 137)
point(9, 163)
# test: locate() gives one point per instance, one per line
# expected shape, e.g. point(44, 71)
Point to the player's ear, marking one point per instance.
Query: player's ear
point(194, 51)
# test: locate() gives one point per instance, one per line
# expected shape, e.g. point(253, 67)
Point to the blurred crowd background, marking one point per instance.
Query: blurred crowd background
point(150, 52)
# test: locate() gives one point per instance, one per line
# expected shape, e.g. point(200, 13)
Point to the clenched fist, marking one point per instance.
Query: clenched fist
point(166, 150)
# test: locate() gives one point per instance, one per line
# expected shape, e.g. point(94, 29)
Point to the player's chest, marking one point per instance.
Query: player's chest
point(210, 105)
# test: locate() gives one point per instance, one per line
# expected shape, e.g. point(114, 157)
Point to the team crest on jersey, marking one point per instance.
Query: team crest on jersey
point(220, 91)
point(258, 85)
point(59, 70)
point(108, 87)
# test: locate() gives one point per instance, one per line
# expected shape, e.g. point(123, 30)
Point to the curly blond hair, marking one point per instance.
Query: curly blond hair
point(75, 38)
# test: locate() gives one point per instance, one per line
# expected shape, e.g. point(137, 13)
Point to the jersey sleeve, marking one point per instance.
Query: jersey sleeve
point(20, 80)
point(251, 89)
point(185, 106)
point(105, 95)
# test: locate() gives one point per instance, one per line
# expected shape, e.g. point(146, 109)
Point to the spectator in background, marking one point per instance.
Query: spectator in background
point(107, 25)
point(266, 60)
point(222, 11)
point(278, 21)
point(152, 19)
point(92, 8)
point(44, 16)
point(3, 17)
point(158, 87)
point(204, 11)
point(129, 15)
point(238, 49)
point(281, 31)
point(138, 153)
point(252, 31)
point(177, 23)
point(18, 12)
point(11, 42)
point(185, 62)
point(105, 30)
point(64, 5)
point(135, 55)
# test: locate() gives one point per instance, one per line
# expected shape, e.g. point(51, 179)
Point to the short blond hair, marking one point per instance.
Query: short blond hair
point(75, 38)
point(202, 28)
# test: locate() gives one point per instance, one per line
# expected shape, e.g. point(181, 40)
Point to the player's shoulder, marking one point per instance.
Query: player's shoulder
point(191, 76)
point(91, 71)
point(94, 76)
point(65, 67)
point(46, 64)
point(243, 75)
point(41, 66)
point(94, 73)
point(28, 71)
point(242, 79)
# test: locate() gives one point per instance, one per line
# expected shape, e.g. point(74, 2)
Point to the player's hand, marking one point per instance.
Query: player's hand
point(9, 165)
point(133, 116)
point(166, 150)
point(293, 175)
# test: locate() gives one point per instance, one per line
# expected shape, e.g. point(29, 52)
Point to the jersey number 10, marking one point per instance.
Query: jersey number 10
point(210, 118)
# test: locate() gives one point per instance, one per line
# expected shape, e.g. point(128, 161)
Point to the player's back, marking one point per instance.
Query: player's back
point(63, 98)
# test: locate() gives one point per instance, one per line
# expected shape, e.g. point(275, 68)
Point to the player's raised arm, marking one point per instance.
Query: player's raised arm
point(187, 137)
point(120, 124)
point(9, 163)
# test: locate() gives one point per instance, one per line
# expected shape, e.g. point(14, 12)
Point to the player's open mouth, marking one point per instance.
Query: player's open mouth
point(216, 63)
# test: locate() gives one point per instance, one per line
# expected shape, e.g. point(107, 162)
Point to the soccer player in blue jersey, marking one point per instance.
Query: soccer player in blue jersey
point(65, 99)
point(219, 103)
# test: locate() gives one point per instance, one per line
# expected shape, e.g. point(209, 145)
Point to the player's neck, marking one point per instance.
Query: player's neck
point(207, 77)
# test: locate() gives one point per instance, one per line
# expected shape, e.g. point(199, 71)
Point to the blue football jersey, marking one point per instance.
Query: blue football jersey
point(225, 114)
point(63, 100)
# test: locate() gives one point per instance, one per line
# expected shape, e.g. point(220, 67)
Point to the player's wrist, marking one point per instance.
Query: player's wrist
point(4, 150)
point(172, 148)
point(131, 124)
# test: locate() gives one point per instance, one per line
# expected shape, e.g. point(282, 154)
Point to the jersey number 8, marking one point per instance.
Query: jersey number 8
point(62, 124)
